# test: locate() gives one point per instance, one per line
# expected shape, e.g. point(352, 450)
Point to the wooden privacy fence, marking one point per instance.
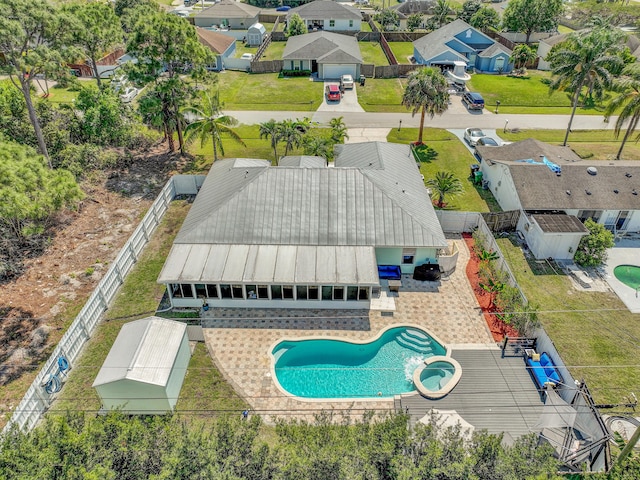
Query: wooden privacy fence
point(387, 51)
point(40, 394)
point(394, 71)
point(267, 66)
point(502, 221)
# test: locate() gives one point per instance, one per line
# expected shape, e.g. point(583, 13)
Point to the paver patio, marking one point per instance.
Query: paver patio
point(239, 340)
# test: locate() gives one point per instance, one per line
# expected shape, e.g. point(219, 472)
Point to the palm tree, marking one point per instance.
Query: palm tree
point(290, 134)
point(338, 130)
point(444, 184)
point(426, 91)
point(271, 129)
point(210, 123)
point(152, 109)
point(521, 55)
point(440, 12)
point(628, 101)
point(585, 60)
point(318, 146)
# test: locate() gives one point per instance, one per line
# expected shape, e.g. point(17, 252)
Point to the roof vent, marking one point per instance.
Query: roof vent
point(587, 192)
point(634, 192)
point(615, 190)
point(568, 192)
point(592, 171)
point(628, 175)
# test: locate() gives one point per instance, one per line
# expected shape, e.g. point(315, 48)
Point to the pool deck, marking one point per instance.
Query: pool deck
point(239, 340)
point(625, 252)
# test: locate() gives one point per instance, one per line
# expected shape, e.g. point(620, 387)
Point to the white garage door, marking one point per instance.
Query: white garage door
point(336, 71)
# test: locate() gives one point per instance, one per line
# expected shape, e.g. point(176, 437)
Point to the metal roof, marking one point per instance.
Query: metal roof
point(271, 264)
point(353, 204)
point(144, 351)
point(303, 161)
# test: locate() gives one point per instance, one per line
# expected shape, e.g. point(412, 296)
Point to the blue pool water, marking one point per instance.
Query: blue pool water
point(338, 369)
point(436, 375)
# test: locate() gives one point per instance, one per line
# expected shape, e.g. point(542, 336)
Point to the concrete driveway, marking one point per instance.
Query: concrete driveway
point(348, 102)
point(488, 132)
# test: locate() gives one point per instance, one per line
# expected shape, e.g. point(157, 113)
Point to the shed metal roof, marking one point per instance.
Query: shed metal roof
point(559, 223)
point(277, 264)
point(144, 351)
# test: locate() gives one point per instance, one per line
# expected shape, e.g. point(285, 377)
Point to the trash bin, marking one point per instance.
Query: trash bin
point(362, 80)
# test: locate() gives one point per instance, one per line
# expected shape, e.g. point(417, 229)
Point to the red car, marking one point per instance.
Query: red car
point(333, 92)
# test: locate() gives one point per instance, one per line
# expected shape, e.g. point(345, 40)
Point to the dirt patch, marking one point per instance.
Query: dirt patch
point(498, 328)
point(37, 306)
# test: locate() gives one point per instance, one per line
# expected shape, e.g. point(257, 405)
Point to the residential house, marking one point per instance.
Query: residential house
point(302, 234)
point(328, 54)
point(228, 14)
point(223, 46)
point(328, 15)
point(460, 42)
point(556, 192)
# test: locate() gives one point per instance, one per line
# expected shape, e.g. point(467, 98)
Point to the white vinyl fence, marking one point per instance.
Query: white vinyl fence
point(49, 380)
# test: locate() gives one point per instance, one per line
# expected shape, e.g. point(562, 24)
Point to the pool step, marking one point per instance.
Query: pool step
point(420, 345)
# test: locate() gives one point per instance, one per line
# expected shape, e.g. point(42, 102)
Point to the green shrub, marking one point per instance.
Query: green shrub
point(296, 73)
point(80, 158)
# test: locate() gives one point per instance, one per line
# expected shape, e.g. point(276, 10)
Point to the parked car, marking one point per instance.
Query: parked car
point(129, 94)
point(333, 92)
point(471, 135)
point(346, 81)
point(473, 100)
point(487, 142)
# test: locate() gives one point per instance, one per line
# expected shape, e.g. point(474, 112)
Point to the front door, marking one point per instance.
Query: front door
point(623, 219)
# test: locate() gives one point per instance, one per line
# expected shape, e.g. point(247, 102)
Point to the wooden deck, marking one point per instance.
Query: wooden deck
point(496, 394)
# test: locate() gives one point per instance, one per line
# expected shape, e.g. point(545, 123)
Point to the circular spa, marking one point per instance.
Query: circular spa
point(629, 275)
point(437, 377)
point(321, 368)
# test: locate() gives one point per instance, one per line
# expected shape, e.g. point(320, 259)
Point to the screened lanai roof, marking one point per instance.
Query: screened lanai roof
point(271, 264)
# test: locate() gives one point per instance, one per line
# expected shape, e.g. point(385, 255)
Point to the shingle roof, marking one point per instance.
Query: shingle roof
point(529, 148)
point(144, 351)
point(325, 47)
point(436, 42)
point(326, 9)
point(494, 50)
point(230, 9)
point(217, 42)
point(559, 223)
point(385, 204)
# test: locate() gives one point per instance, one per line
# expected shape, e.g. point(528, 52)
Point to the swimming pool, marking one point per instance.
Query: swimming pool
point(628, 274)
point(321, 368)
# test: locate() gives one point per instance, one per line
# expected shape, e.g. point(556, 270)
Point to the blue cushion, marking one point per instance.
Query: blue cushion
point(554, 377)
point(545, 360)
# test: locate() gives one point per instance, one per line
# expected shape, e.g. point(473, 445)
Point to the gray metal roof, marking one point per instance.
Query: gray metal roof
point(326, 10)
point(302, 161)
point(494, 393)
point(352, 204)
point(271, 264)
point(325, 47)
point(144, 351)
point(435, 42)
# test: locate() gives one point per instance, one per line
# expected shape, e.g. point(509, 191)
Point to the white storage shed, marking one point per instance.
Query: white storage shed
point(256, 34)
point(145, 368)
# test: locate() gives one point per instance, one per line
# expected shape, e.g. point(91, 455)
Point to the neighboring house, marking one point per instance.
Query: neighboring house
point(556, 191)
point(460, 42)
point(221, 45)
point(302, 234)
point(329, 54)
point(145, 368)
point(545, 46)
point(106, 65)
point(328, 15)
point(228, 14)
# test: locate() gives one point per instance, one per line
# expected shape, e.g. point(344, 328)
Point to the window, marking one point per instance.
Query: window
point(338, 293)
point(175, 290)
point(201, 290)
point(252, 292)
point(327, 292)
point(263, 291)
point(212, 291)
point(332, 23)
point(237, 292)
point(352, 293)
point(301, 292)
point(408, 255)
point(594, 215)
point(363, 293)
point(287, 292)
point(313, 292)
point(225, 291)
point(276, 292)
point(187, 292)
point(351, 23)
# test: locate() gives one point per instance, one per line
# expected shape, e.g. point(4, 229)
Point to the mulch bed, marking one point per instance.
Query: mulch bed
point(497, 327)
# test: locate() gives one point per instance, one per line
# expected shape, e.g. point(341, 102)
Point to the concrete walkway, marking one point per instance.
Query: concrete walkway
point(360, 135)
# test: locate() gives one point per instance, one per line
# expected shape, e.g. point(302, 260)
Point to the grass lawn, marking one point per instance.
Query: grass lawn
point(382, 95)
point(139, 297)
point(591, 144)
point(241, 48)
point(242, 91)
point(402, 50)
point(365, 27)
point(565, 29)
point(372, 53)
point(524, 95)
point(452, 156)
point(593, 331)
point(274, 51)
